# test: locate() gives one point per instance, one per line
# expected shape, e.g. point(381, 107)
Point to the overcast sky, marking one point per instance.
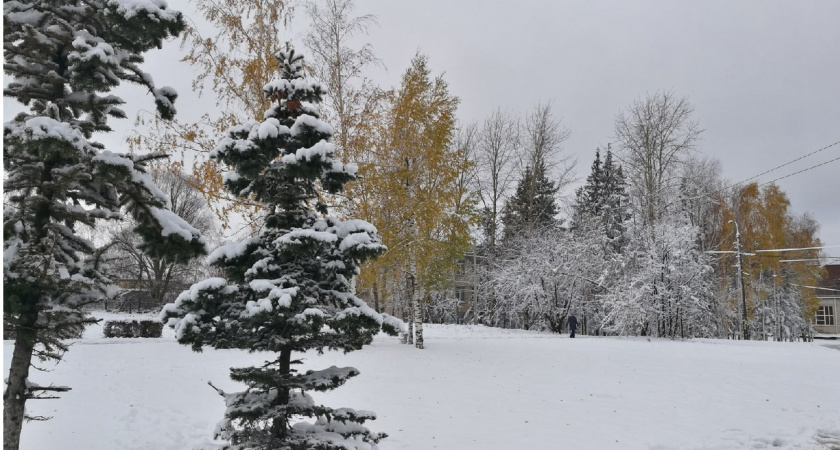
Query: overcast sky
point(763, 76)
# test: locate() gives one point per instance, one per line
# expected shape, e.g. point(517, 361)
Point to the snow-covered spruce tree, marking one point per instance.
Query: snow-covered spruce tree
point(604, 200)
point(589, 197)
point(288, 289)
point(63, 58)
point(533, 206)
point(616, 212)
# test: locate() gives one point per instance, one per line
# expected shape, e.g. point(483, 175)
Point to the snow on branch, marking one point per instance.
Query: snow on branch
point(40, 128)
point(329, 378)
point(172, 223)
point(157, 9)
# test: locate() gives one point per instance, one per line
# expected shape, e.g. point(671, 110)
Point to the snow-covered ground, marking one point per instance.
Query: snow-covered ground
point(471, 388)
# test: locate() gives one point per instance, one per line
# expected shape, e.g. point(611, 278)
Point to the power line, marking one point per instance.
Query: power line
point(774, 250)
point(815, 287)
point(804, 260)
point(803, 170)
point(796, 249)
point(723, 189)
point(789, 163)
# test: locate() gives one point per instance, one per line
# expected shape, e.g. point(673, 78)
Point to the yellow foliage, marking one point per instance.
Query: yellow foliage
point(766, 223)
point(412, 172)
point(235, 62)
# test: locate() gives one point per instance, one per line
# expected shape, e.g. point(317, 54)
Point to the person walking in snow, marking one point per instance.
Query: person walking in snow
point(572, 324)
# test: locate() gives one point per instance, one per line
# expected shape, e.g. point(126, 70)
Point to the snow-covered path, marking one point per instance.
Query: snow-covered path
point(471, 388)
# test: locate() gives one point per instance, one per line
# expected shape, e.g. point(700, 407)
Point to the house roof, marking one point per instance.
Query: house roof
point(831, 281)
point(833, 271)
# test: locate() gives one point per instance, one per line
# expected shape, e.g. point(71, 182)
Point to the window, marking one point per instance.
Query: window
point(825, 315)
point(462, 266)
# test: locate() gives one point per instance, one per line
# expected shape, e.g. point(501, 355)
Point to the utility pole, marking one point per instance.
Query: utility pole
point(777, 324)
point(745, 328)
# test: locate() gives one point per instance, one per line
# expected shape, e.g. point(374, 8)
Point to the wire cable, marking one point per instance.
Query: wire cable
point(789, 163)
point(803, 170)
point(796, 249)
point(722, 190)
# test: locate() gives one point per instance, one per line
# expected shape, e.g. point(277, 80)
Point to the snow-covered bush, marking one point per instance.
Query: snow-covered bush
point(664, 285)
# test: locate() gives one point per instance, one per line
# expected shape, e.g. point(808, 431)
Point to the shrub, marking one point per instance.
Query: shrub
point(151, 328)
point(10, 333)
point(133, 329)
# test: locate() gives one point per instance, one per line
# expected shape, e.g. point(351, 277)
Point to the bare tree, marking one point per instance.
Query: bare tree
point(497, 155)
point(465, 144)
point(158, 275)
point(341, 68)
point(542, 138)
point(657, 135)
point(700, 194)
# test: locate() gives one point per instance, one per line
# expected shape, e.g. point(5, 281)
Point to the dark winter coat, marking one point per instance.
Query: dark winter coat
point(572, 322)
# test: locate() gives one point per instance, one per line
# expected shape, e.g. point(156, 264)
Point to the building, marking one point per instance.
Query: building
point(466, 280)
point(827, 320)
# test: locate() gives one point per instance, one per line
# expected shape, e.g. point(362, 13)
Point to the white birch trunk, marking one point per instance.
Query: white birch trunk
point(409, 332)
point(408, 312)
point(415, 290)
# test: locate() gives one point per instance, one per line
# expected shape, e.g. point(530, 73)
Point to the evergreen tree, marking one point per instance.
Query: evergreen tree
point(588, 198)
point(615, 212)
point(604, 199)
point(64, 59)
point(289, 288)
point(532, 207)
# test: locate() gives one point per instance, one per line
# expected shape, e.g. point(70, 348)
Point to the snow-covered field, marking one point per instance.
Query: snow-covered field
point(471, 388)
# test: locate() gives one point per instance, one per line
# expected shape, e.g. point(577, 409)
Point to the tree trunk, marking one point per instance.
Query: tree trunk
point(408, 310)
point(415, 290)
point(14, 399)
point(280, 425)
point(376, 305)
point(408, 337)
point(418, 323)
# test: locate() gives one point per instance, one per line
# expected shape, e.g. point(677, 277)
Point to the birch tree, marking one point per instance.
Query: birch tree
point(341, 68)
point(765, 221)
point(657, 134)
point(412, 188)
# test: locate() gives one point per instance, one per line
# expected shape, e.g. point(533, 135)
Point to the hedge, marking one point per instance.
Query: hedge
point(133, 329)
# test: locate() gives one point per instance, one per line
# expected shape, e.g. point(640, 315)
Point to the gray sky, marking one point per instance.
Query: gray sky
point(763, 76)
